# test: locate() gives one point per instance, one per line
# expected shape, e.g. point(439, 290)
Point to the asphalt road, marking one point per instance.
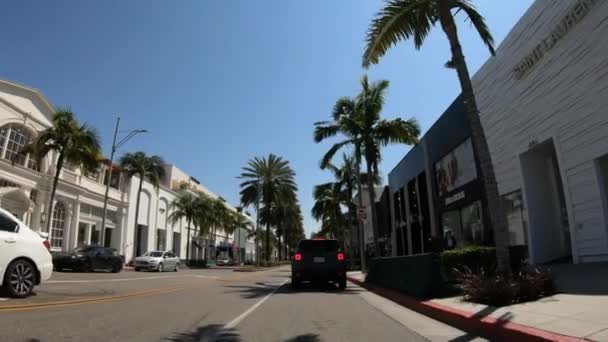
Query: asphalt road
point(207, 305)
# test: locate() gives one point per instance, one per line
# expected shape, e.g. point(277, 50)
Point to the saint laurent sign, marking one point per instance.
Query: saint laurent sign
point(574, 15)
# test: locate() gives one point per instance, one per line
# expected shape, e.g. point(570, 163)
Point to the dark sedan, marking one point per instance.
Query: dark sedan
point(87, 259)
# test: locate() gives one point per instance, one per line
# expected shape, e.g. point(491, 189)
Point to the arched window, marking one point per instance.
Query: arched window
point(13, 138)
point(58, 225)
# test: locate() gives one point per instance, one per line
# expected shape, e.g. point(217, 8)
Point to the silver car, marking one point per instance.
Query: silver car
point(157, 261)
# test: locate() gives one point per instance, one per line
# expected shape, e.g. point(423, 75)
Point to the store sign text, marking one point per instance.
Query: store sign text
point(574, 16)
point(455, 197)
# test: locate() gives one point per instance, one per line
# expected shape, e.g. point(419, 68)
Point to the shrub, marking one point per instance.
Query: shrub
point(484, 288)
point(478, 258)
point(475, 259)
point(490, 288)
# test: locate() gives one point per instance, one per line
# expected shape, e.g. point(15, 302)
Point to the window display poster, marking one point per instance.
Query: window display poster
point(456, 169)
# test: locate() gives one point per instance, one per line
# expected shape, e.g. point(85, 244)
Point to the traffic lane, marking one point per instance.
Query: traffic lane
point(319, 313)
point(179, 315)
point(103, 285)
point(127, 274)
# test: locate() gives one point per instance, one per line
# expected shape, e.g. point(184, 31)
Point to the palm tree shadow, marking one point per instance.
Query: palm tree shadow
point(305, 338)
point(207, 333)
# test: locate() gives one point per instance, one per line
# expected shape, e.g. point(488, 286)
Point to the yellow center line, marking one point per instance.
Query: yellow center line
point(34, 306)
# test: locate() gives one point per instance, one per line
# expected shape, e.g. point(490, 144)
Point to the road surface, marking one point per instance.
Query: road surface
point(207, 305)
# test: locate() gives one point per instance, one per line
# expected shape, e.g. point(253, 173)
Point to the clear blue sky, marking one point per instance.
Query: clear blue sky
point(219, 82)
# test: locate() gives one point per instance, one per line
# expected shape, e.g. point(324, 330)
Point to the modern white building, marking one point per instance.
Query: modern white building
point(77, 210)
point(543, 101)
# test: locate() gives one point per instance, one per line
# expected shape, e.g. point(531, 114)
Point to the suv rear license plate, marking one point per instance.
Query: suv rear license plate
point(318, 259)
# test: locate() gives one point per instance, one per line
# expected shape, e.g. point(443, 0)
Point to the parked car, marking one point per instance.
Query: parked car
point(25, 260)
point(157, 261)
point(223, 261)
point(88, 259)
point(318, 260)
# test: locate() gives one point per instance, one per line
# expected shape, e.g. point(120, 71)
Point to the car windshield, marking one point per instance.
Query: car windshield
point(318, 246)
point(154, 254)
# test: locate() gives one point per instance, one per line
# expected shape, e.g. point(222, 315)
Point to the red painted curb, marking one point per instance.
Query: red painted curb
point(488, 327)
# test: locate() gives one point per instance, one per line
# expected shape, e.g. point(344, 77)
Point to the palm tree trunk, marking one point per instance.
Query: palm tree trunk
point(372, 200)
point(267, 256)
point(360, 224)
point(480, 144)
point(188, 242)
point(136, 233)
point(49, 215)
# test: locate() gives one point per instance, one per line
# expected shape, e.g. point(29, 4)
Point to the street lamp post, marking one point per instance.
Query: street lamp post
point(115, 146)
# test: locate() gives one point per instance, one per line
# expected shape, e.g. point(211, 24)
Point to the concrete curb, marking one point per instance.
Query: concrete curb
point(487, 327)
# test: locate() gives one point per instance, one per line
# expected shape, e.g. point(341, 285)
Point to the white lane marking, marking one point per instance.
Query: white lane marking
point(122, 279)
point(237, 320)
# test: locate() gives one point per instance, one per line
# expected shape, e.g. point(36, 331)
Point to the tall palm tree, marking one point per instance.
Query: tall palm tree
point(267, 179)
point(238, 223)
point(72, 142)
point(144, 166)
point(359, 121)
point(186, 206)
point(219, 218)
point(413, 19)
point(203, 218)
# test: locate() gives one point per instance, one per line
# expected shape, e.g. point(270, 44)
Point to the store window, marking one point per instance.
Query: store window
point(515, 211)
point(465, 225)
point(58, 225)
point(13, 138)
point(160, 240)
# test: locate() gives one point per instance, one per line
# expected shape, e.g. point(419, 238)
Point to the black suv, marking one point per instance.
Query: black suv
point(318, 260)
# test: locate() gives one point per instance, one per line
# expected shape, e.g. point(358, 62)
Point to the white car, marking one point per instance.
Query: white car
point(157, 261)
point(25, 259)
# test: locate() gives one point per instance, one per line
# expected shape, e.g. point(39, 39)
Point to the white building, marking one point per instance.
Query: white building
point(543, 101)
point(77, 212)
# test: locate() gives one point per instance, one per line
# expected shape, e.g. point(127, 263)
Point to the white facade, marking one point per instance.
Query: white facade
point(77, 210)
point(544, 107)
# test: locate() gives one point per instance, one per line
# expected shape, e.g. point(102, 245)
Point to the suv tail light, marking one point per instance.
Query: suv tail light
point(297, 257)
point(340, 256)
point(46, 244)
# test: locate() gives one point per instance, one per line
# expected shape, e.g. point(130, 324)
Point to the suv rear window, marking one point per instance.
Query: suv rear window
point(318, 246)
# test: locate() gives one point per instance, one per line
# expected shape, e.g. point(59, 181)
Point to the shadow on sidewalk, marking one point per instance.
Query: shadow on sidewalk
point(207, 333)
point(305, 338)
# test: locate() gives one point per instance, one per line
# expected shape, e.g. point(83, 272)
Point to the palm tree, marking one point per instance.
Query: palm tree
point(359, 121)
point(219, 217)
point(329, 198)
point(74, 143)
point(237, 223)
point(203, 218)
point(267, 179)
point(413, 19)
point(186, 206)
point(144, 166)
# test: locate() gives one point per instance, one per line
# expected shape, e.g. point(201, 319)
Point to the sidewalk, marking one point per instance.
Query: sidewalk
point(579, 313)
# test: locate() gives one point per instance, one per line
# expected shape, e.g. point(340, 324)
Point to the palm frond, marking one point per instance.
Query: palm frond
point(398, 20)
point(478, 22)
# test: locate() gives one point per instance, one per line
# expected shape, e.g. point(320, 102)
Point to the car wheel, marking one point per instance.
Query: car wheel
point(136, 269)
point(160, 267)
point(176, 268)
point(20, 278)
point(116, 269)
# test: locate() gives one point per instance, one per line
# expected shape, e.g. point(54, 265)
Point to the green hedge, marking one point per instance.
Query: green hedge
point(477, 258)
point(416, 275)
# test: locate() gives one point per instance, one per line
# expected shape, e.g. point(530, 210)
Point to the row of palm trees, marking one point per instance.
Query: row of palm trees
point(79, 145)
point(412, 20)
point(268, 184)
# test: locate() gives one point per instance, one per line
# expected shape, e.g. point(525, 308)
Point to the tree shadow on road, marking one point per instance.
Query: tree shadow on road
point(305, 338)
point(207, 333)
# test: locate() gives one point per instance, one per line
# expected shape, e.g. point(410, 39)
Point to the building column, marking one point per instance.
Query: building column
point(65, 245)
point(420, 217)
point(391, 204)
point(87, 240)
point(408, 222)
point(74, 226)
point(428, 169)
